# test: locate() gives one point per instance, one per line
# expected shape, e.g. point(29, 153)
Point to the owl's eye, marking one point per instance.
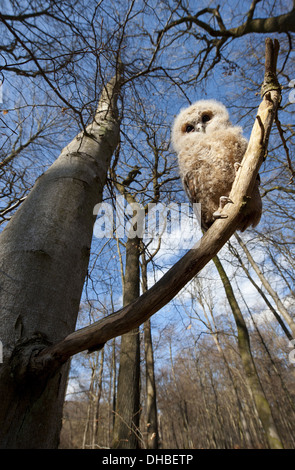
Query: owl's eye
point(206, 118)
point(189, 128)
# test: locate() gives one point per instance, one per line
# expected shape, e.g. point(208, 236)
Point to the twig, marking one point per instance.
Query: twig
point(281, 132)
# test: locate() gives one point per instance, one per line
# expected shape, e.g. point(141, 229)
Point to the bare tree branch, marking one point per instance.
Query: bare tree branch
point(131, 316)
point(281, 23)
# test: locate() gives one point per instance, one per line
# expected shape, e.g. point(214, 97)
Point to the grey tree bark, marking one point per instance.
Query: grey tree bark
point(44, 254)
point(127, 412)
point(252, 377)
point(151, 391)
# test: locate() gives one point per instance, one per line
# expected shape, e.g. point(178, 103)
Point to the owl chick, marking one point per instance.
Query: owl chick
point(209, 152)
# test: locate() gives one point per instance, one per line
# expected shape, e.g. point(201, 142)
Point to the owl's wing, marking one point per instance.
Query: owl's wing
point(191, 184)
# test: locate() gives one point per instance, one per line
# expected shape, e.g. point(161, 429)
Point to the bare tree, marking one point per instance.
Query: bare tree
point(194, 260)
point(127, 412)
point(151, 392)
point(45, 248)
point(262, 405)
point(56, 245)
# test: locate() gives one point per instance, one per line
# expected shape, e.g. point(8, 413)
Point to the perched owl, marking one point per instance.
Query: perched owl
point(209, 151)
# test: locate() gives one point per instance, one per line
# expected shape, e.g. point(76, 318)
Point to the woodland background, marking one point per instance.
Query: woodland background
point(189, 387)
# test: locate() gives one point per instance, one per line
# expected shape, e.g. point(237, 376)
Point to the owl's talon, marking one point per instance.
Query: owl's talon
point(237, 166)
point(223, 200)
point(218, 215)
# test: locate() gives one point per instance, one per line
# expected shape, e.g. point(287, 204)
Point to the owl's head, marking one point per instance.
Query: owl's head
point(202, 117)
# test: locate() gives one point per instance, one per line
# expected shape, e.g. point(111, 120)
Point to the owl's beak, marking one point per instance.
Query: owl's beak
point(200, 127)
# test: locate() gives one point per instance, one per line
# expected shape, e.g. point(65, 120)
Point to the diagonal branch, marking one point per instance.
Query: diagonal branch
point(281, 23)
point(277, 24)
point(134, 314)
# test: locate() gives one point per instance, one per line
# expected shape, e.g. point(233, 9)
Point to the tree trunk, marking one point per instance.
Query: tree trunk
point(128, 407)
point(44, 254)
point(151, 398)
point(242, 422)
point(97, 399)
point(283, 311)
point(151, 395)
point(89, 416)
point(114, 382)
point(255, 387)
point(182, 406)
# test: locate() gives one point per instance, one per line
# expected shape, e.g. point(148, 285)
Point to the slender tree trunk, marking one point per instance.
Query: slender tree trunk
point(151, 397)
point(261, 403)
point(288, 396)
point(209, 422)
point(182, 405)
point(283, 311)
point(88, 427)
point(44, 254)
point(151, 394)
point(97, 402)
point(114, 382)
point(112, 387)
point(128, 406)
point(268, 303)
point(242, 422)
